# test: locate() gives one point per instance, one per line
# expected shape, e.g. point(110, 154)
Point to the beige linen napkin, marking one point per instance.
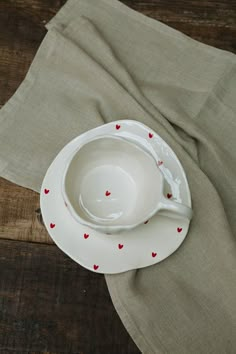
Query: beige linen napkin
point(101, 61)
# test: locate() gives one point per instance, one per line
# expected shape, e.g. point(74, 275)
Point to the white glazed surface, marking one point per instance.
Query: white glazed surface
point(111, 184)
point(143, 246)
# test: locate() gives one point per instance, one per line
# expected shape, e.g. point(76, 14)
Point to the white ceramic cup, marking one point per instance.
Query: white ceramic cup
point(111, 184)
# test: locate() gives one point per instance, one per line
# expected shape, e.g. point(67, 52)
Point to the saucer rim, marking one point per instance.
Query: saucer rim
point(94, 131)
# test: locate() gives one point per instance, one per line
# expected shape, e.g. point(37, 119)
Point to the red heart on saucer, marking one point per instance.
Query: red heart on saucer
point(46, 191)
point(154, 254)
point(95, 267)
point(117, 126)
point(86, 236)
point(150, 135)
point(52, 225)
point(160, 163)
point(169, 195)
point(107, 193)
point(120, 246)
point(179, 229)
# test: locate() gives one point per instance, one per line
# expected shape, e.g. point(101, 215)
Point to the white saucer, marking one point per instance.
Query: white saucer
point(148, 244)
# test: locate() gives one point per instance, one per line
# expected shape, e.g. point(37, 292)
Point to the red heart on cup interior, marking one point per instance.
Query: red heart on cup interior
point(179, 229)
point(169, 195)
point(86, 236)
point(117, 126)
point(108, 193)
point(95, 267)
point(52, 225)
point(150, 135)
point(46, 191)
point(120, 246)
point(154, 254)
point(160, 163)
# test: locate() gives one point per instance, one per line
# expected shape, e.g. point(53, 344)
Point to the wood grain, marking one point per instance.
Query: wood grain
point(19, 216)
point(49, 304)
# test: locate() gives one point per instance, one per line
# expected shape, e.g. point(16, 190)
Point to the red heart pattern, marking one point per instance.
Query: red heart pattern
point(108, 193)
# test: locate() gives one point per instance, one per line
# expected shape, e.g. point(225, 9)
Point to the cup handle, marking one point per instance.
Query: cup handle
point(178, 209)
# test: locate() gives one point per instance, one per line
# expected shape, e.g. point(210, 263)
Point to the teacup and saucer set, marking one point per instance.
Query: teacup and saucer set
point(116, 198)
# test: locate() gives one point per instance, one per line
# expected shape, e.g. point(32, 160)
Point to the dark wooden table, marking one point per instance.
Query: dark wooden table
point(48, 303)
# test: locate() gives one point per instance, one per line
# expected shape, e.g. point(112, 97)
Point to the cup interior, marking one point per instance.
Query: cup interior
point(111, 181)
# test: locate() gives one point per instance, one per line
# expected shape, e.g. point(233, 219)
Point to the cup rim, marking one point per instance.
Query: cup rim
point(107, 228)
